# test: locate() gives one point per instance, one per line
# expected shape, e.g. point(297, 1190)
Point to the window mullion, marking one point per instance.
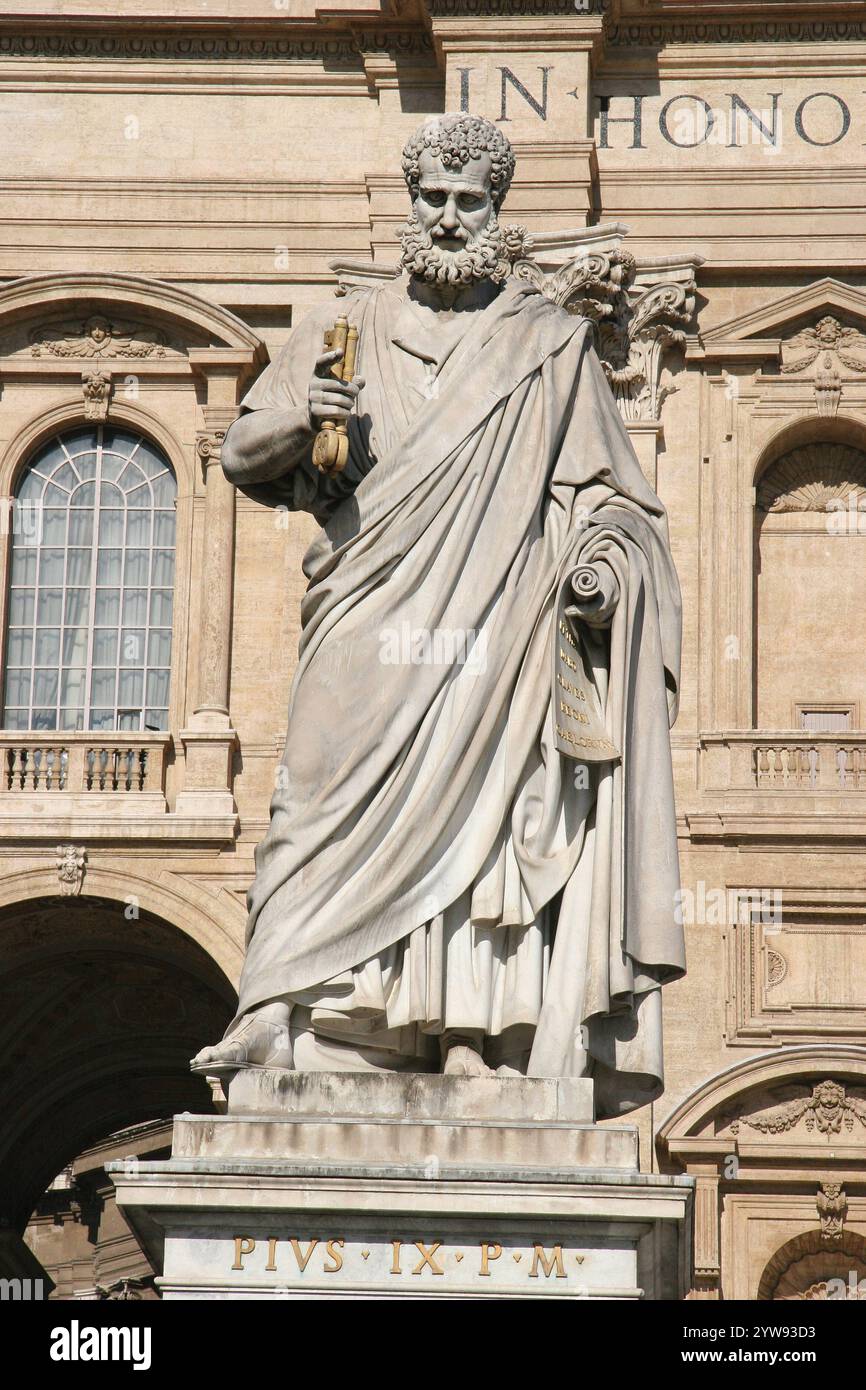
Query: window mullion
point(91, 599)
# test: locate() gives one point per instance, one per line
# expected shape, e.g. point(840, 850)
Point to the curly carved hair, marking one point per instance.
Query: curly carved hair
point(456, 138)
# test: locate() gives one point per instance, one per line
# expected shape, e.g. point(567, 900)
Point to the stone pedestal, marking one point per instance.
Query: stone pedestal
point(327, 1185)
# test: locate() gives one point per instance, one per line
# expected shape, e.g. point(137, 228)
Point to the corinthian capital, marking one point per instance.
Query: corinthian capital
point(639, 308)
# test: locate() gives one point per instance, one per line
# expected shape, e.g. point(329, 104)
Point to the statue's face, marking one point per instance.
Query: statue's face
point(453, 205)
point(452, 237)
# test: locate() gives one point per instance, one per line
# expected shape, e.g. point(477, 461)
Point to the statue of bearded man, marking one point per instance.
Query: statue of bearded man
point(471, 862)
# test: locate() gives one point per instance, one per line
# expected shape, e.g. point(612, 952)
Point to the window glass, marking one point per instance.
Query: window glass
point(88, 642)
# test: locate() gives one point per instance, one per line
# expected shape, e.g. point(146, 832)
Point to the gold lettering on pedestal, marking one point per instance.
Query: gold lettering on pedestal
point(336, 1258)
point(547, 1262)
point(427, 1259)
point(566, 634)
point(304, 1260)
point(572, 665)
point(244, 1245)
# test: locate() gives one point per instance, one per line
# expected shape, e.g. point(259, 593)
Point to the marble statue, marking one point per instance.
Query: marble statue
point(471, 863)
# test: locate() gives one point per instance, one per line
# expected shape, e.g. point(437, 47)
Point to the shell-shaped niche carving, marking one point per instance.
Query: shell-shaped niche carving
point(805, 1268)
point(822, 1276)
point(812, 478)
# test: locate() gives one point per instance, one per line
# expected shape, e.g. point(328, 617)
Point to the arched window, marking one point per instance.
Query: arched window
point(88, 641)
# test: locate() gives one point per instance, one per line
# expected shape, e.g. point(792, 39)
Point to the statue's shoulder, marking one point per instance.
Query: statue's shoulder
point(544, 314)
point(351, 302)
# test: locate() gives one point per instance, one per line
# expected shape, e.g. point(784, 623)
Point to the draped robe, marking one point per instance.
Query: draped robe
point(433, 861)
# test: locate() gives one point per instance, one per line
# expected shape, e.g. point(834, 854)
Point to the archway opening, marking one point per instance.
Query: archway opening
point(103, 1006)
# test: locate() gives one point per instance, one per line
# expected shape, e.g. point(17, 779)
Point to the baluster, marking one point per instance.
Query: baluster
point(812, 765)
point(804, 768)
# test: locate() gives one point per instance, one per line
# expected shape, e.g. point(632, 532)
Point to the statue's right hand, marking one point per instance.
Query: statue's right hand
point(328, 398)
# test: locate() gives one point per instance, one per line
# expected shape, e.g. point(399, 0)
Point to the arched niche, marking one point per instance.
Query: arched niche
point(810, 1267)
point(810, 586)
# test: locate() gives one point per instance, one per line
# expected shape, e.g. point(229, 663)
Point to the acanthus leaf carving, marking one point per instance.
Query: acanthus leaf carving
point(638, 313)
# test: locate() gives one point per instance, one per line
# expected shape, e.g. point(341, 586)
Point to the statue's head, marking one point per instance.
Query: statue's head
point(457, 169)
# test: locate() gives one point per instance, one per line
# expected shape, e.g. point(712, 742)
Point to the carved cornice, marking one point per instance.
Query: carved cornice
point(658, 33)
point(397, 43)
point(513, 9)
point(87, 45)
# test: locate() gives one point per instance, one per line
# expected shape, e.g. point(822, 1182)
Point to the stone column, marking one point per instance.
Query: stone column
point(209, 740)
point(217, 572)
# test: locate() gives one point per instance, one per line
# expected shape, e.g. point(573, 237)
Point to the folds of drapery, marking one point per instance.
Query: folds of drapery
point(411, 787)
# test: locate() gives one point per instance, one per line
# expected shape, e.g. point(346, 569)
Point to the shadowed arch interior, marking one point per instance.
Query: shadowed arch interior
point(99, 1015)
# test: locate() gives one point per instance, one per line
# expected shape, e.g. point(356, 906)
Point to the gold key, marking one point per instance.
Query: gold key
point(331, 445)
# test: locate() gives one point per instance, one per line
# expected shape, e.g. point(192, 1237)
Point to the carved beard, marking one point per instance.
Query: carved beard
point(479, 259)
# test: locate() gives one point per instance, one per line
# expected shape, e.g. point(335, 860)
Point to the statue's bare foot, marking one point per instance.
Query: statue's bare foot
point(462, 1060)
point(256, 1042)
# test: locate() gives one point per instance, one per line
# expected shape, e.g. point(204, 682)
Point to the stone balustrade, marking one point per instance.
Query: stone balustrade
point(83, 762)
point(785, 760)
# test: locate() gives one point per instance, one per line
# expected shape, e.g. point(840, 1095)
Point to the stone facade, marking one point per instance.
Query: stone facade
point(180, 191)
